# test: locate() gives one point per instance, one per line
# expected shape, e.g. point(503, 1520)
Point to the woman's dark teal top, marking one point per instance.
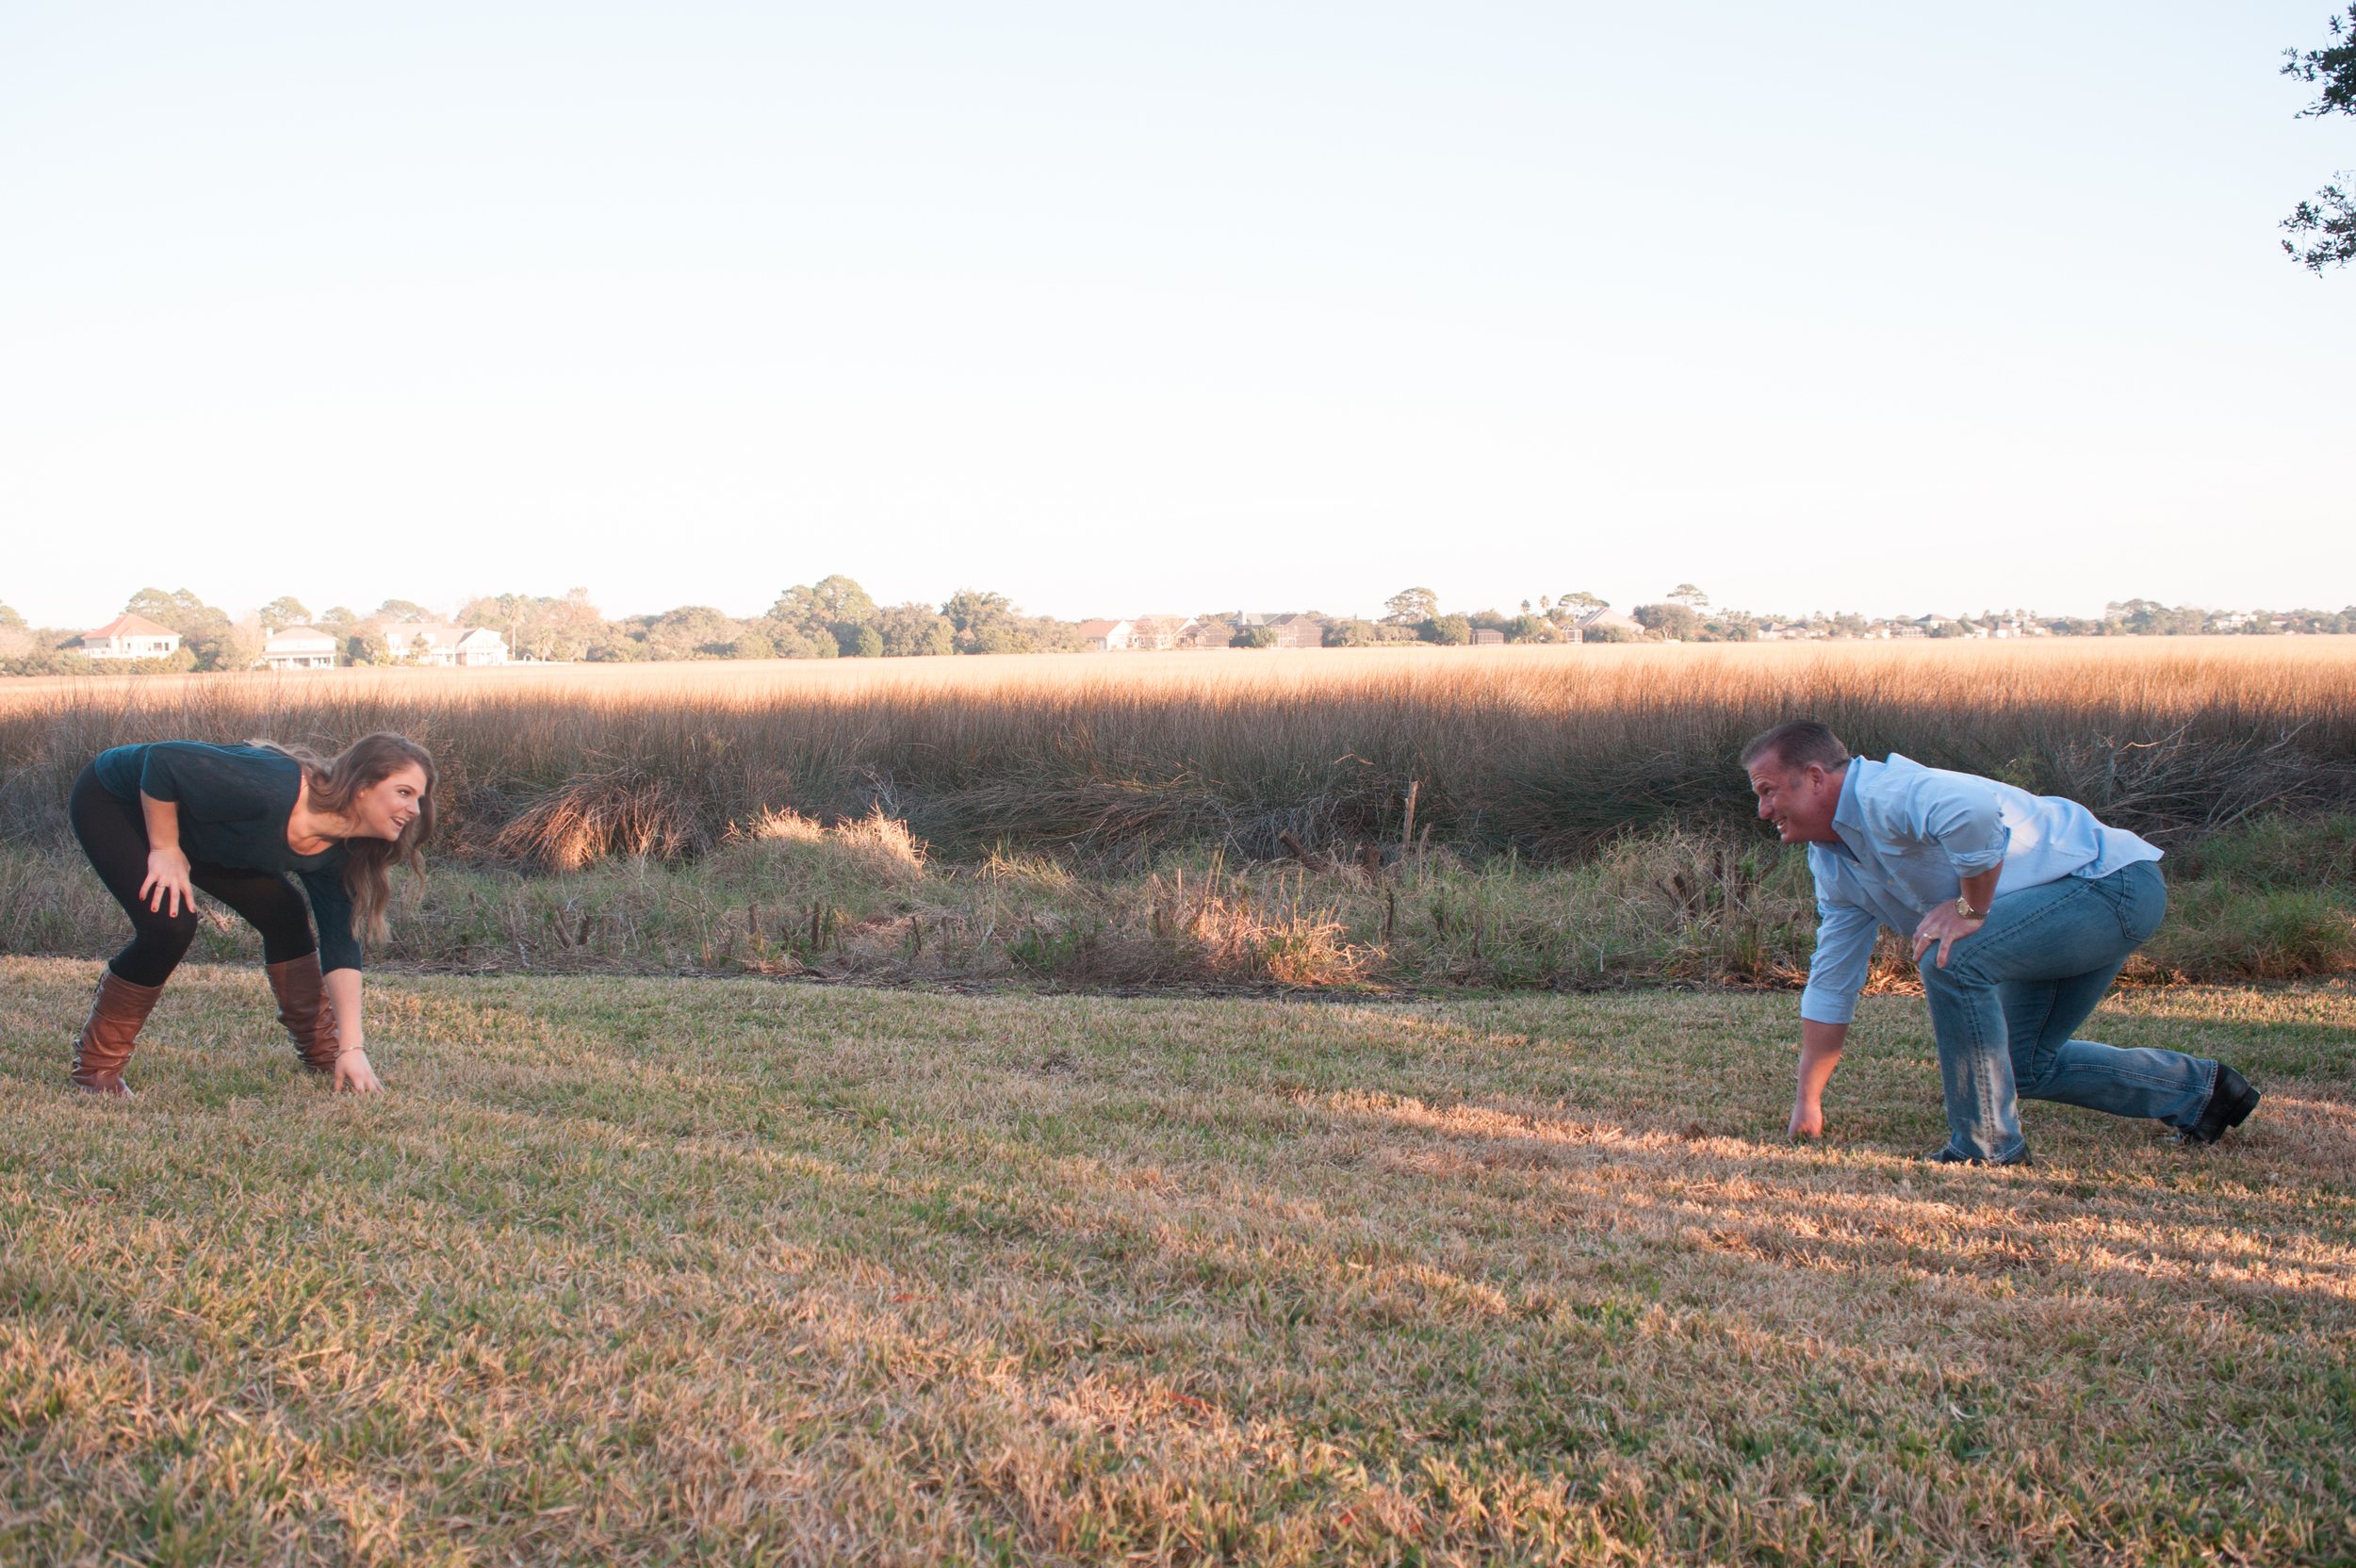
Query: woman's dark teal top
point(234, 802)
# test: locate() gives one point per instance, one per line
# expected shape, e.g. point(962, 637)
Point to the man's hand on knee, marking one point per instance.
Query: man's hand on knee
point(1948, 923)
point(1946, 926)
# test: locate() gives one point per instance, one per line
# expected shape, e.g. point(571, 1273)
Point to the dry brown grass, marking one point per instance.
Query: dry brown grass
point(625, 811)
point(1546, 749)
point(645, 1271)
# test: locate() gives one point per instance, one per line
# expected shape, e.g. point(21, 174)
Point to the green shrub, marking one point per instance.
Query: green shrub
point(2217, 931)
point(1448, 631)
point(2274, 851)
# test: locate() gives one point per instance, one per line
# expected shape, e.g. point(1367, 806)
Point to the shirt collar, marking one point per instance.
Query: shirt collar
point(1848, 818)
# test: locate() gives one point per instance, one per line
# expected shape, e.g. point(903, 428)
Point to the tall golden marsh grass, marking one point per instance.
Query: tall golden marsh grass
point(1544, 751)
point(1578, 821)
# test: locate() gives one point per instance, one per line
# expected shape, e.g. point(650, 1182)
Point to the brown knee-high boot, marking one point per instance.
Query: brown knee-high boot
point(106, 1040)
point(304, 1008)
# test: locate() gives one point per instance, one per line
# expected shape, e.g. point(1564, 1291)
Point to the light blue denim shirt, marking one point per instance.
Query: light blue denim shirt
point(1910, 835)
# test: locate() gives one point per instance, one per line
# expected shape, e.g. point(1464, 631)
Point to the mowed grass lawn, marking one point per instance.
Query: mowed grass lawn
point(644, 1270)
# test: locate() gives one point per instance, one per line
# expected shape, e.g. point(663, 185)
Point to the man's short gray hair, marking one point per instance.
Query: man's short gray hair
point(1796, 745)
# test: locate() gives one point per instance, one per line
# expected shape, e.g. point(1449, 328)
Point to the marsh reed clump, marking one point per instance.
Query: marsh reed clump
point(621, 811)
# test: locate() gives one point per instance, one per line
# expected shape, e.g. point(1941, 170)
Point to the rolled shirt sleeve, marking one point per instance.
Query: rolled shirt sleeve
point(1844, 952)
point(1962, 816)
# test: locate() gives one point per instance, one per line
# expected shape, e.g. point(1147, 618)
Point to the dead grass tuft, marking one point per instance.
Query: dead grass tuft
point(880, 846)
point(625, 812)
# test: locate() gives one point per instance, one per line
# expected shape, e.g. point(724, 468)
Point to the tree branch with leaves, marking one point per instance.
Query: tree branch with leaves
point(2326, 221)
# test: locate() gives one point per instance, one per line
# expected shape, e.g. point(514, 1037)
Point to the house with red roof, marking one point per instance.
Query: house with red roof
point(130, 636)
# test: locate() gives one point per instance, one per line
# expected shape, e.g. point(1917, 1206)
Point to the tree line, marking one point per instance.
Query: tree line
point(836, 618)
point(831, 618)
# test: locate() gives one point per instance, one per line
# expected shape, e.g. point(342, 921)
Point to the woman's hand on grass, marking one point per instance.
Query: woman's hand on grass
point(352, 1072)
point(1807, 1118)
point(352, 1062)
point(167, 886)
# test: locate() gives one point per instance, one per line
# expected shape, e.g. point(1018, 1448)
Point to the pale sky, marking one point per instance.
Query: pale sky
point(1119, 309)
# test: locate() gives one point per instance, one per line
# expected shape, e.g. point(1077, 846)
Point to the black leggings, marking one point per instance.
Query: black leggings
point(114, 834)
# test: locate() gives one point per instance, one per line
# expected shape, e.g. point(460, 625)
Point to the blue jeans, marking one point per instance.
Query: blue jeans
point(2013, 990)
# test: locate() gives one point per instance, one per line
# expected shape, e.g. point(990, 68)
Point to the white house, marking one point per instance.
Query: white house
point(1164, 631)
point(298, 647)
point(482, 649)
point(1603, 617)
point(419, 643)
point(130, 636)
point(1107, 636)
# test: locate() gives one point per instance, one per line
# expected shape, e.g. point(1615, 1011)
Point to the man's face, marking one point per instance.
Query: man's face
point(1799, 801)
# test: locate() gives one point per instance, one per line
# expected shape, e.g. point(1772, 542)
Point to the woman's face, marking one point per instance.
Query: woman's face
point(390, 805)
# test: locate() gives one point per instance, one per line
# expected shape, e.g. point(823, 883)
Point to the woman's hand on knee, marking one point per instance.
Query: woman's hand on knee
point(352, 1072)
point(167, 889)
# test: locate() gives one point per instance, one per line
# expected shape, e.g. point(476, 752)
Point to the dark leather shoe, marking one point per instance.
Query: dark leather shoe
point(1945, 1154)
point(2229, 1104)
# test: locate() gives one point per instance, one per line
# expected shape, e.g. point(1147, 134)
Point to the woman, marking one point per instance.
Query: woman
point(160, 820)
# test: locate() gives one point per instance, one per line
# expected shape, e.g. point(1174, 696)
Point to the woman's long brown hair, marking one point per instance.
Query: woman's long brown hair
point(369, 871)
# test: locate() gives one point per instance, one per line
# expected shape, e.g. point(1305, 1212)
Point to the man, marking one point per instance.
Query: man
point(2031, 904)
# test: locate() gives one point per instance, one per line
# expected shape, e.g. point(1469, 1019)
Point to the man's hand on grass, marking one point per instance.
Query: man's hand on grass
point(1820, 1052)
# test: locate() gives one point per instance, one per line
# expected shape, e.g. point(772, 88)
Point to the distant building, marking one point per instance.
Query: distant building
point(1488, 637)
point(1297, 632)
point(298, 647)
point(1107, 636)
point(1292, 630)
point(1163, 632)
point(130, 636)
point(1605, 615)
point(464, 647)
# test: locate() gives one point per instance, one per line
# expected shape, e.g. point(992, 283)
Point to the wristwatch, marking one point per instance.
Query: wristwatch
point(1965, 911)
